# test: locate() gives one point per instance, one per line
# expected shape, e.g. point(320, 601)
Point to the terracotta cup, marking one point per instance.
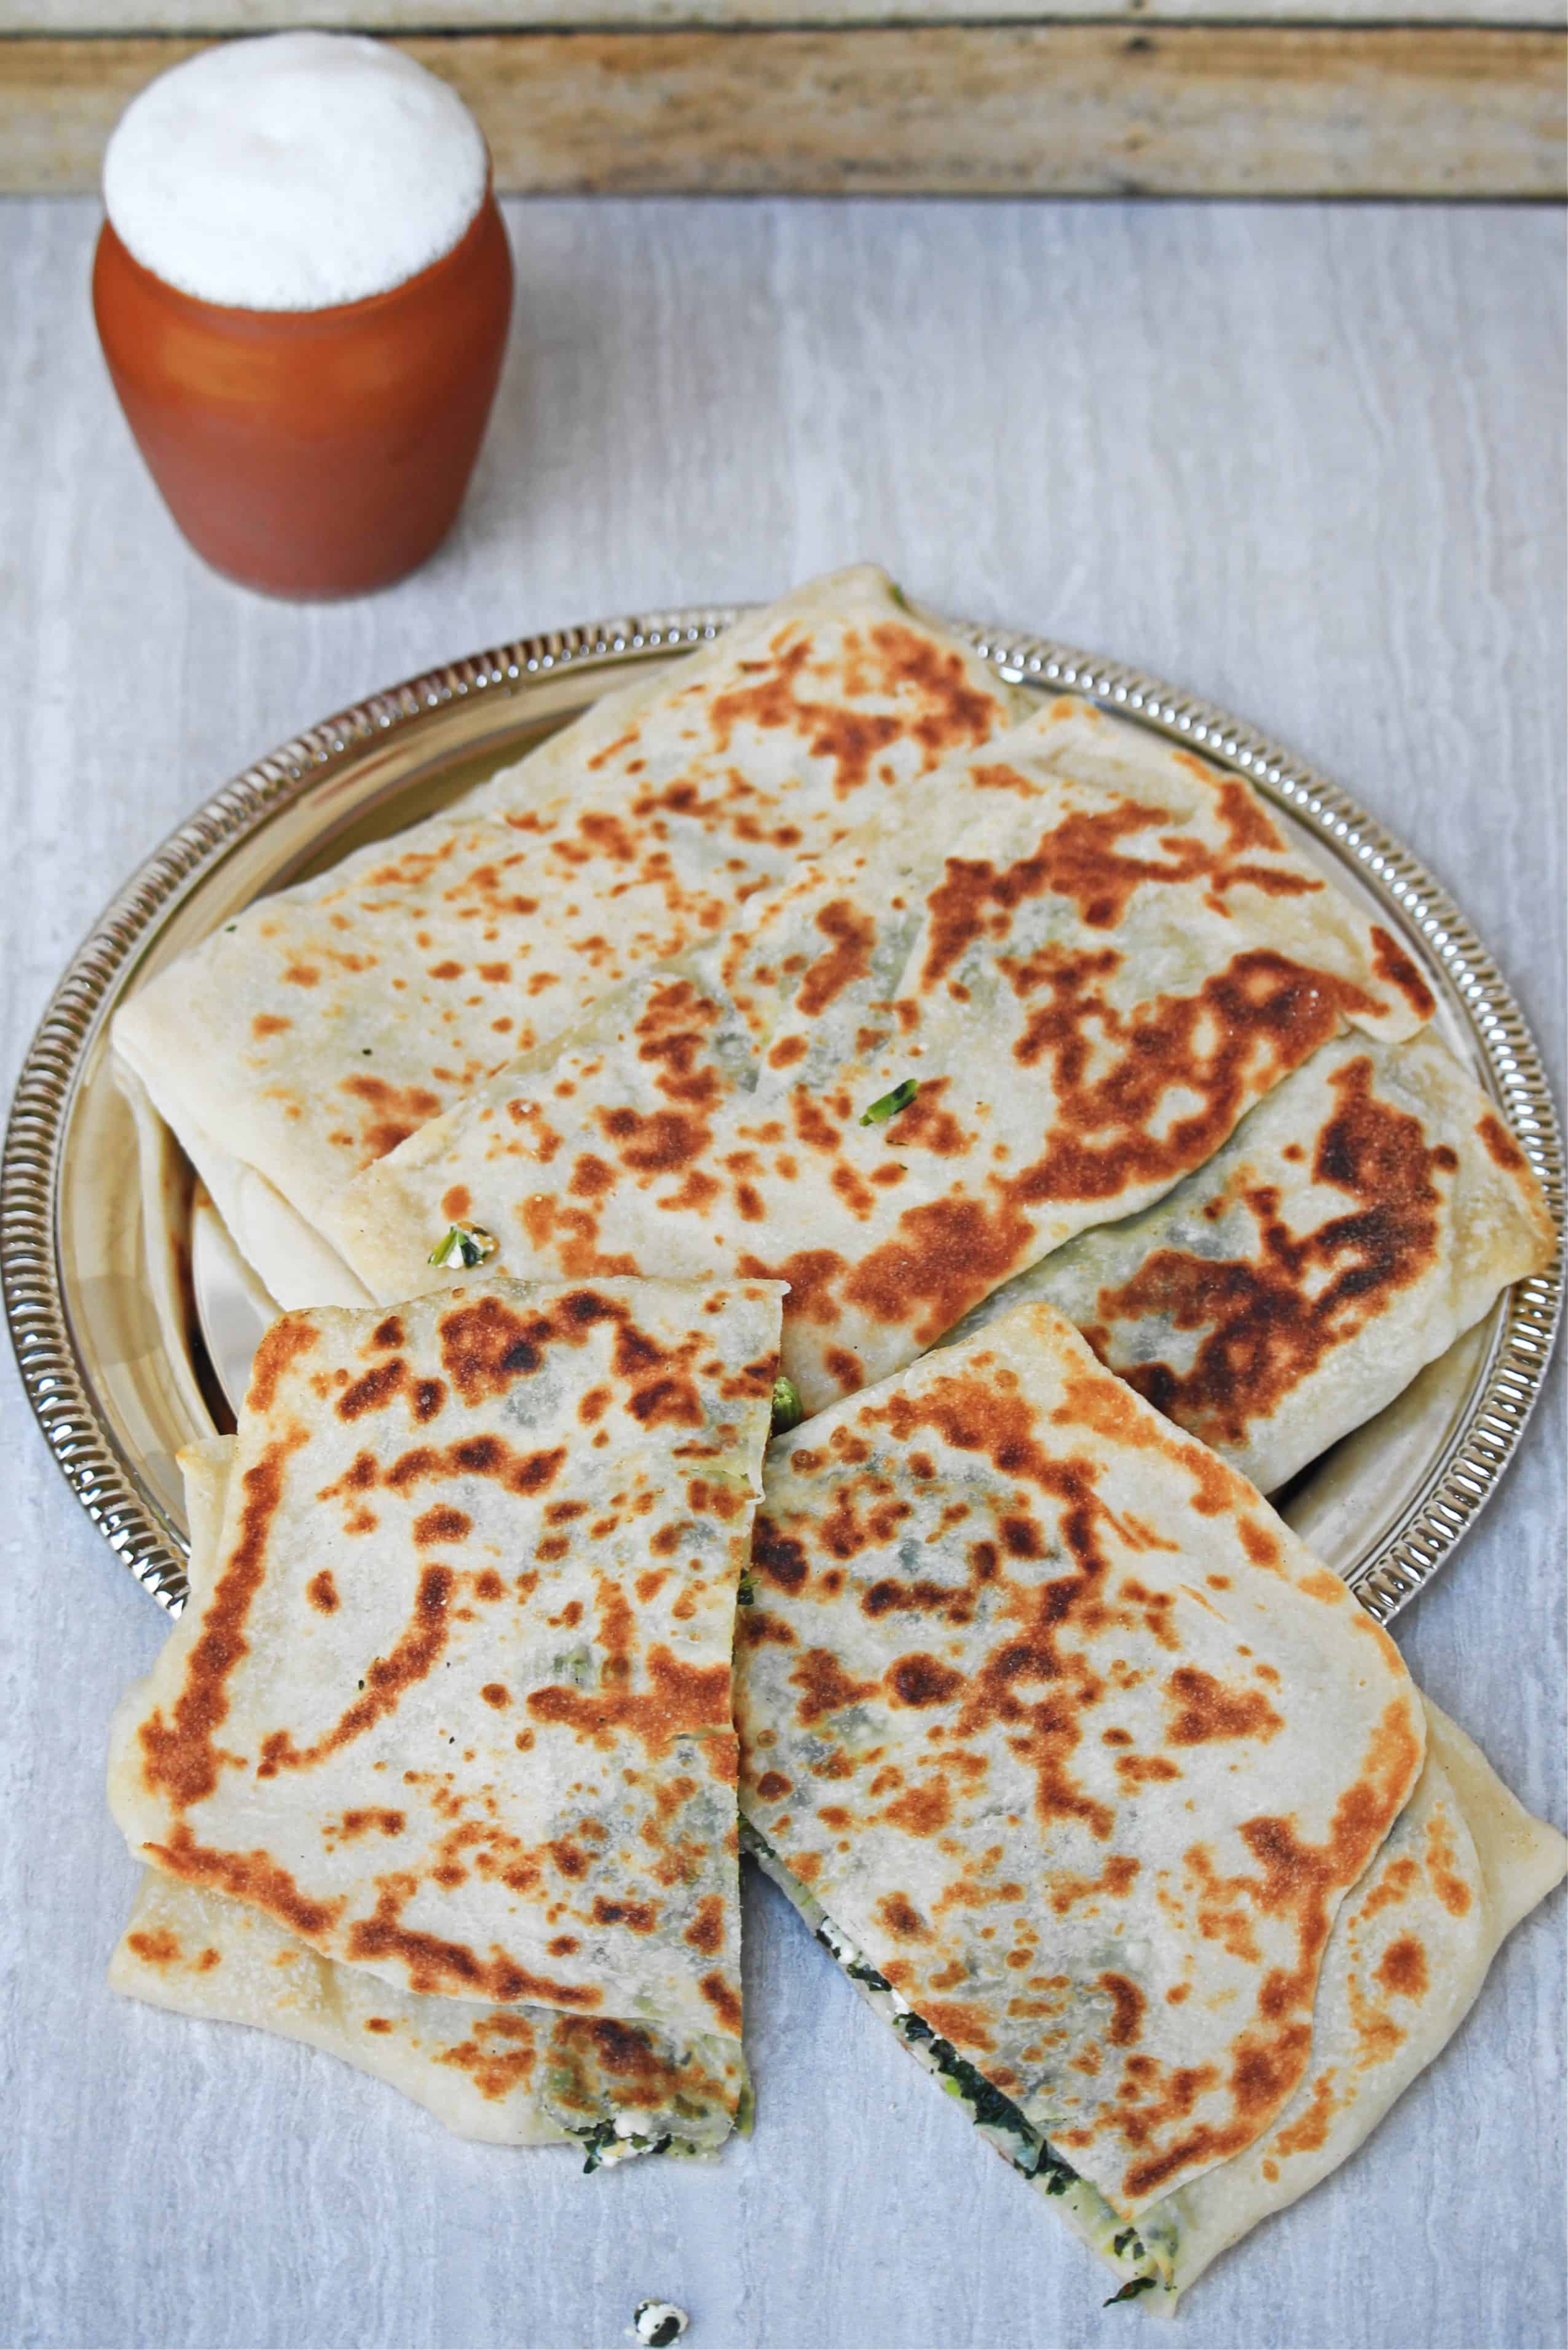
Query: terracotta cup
point(312, 453)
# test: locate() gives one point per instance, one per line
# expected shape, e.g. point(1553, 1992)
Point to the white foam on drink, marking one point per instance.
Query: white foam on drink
point(294, 172)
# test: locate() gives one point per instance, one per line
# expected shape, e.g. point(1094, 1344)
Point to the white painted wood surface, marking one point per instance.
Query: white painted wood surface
point(1307, 460)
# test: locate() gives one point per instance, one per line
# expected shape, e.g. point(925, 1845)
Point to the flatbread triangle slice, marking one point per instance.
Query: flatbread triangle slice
point(514, 2075)
point(1071, 1740)
point(455, 1707)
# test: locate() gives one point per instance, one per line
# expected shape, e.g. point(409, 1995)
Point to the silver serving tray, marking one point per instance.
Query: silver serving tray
point(1384, 1508)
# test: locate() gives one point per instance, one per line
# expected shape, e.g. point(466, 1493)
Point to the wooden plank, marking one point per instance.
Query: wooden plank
point(1060, 109)
point(209, 16)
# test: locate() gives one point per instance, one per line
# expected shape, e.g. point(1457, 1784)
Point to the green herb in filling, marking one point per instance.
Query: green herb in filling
point(606, 2144)
point(788, 1410)
point(464, 1245)
point(1130, 2291)
point(1005, 2127)
point(888, 1106)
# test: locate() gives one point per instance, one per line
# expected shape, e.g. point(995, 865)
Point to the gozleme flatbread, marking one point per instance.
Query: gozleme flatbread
point(1408, 1954)
point(305, 1038)
point(515, 2075)
point(1020, 1005)
point(455, 1706)
point(1073, 1740)
point(1463, 1863)
point(1357, 1221)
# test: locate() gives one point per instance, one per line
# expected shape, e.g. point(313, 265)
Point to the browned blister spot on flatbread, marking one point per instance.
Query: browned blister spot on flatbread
point(180, 1759)
point(677, 1700)
point(901, 1918)
point(1272, 1317)
point(929, 1125)
point(1203, 1709)
point(1308, 2132)
point(939, 707)
point(963, 2022)
point(1393, 965)
point(1500, 1145)
point(291, 1337)
point(1442, 1871)
point(779, 1556)
point(387, 1679)
point(500, 2056)
point(374, 1390)
point(254, 1877)
point(921, 1680)
point(1245, 1028)
point(1081, 858)
point(158, 1949)
point(486, 1346)
point(1397, 1880)
point(722, 1997)
point(851, 934)
point(639, 1917)
point(435, 1964)
point(1402, 1970)
point(825, 1687)
point(371, 1820)
point(442, 1524)
point(390, 1113)
point(706, 1932)
point(1115, 1878)
point(947, 1255)
point(1128, 2005)
point(812, 1275)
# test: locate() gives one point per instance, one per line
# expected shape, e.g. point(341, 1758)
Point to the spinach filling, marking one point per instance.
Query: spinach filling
point(607, 2145)
point(1004, 2125)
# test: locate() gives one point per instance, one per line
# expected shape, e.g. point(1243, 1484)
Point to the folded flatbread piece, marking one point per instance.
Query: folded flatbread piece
point(1073, 1741)
point(1462, 1865)
point(1361, 1217)
point(514, 2075)
point(308, 1036)
point(454, 1706)
point(1026, 1001)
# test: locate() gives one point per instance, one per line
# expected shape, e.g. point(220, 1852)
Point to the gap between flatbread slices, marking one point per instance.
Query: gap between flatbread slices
point(1107, 1795)
point(437, 1770)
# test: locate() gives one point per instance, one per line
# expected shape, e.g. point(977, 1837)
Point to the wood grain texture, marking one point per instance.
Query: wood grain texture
point(1307, 460)
point(986, 109)
point(562, 16)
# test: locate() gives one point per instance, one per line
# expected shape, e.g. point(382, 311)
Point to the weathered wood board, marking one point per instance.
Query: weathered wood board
point(994, 109)
point(650, 16)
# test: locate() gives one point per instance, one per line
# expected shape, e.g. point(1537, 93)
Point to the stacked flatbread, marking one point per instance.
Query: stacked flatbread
point(828, 960)
point(438, 1768)
point(995, 1004)
point(1023, 1003)
point(308, 1037)
point(1108, 1794)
